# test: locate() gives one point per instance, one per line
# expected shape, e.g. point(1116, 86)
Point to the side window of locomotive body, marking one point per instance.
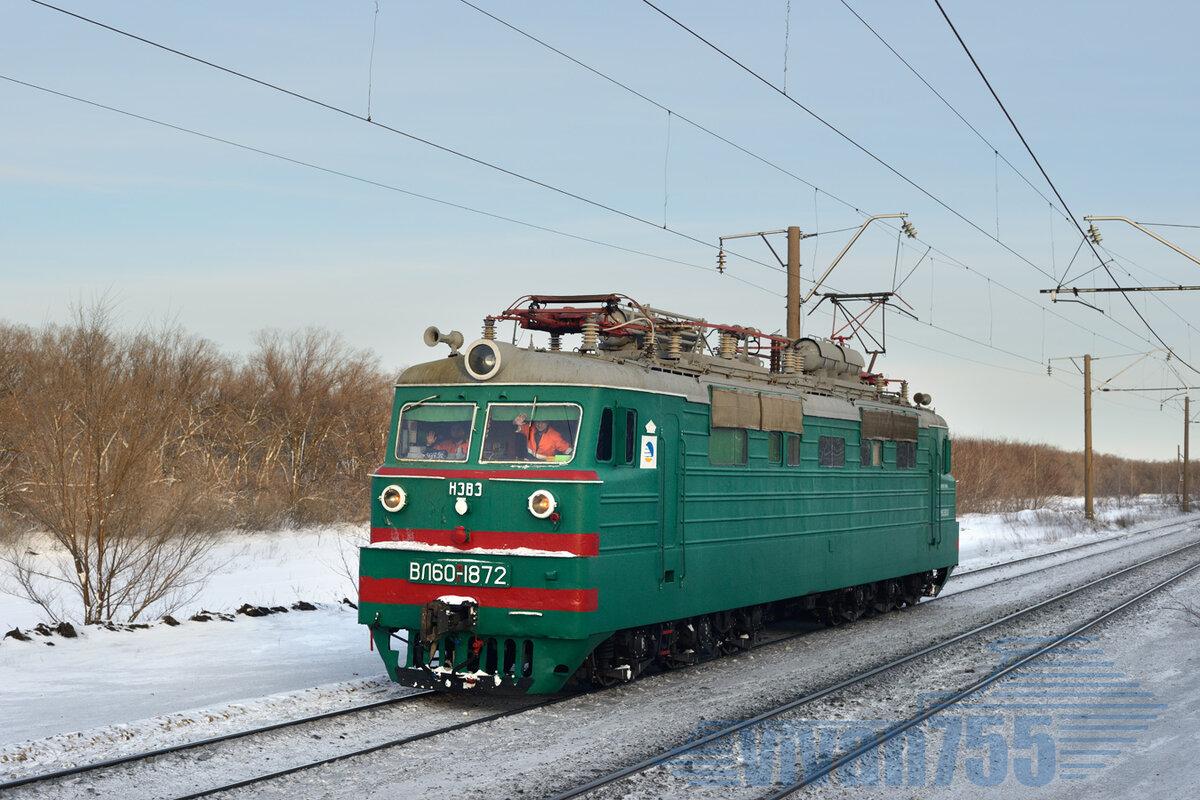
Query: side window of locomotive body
point(871, 453)
point(727, 446)
point(775, 447)
point(517, 432)
point(831, 451)
point(435, 431)
point(906, 455)
point(631, 435)
point(793, 449)
point(947, 451)
point(604, 437)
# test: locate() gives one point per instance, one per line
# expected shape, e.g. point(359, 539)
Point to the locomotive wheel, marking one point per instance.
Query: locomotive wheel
point(679, 644)
point(831, 616)
point(706, 638)
point(853, 603)
point(726, 632)
point(886, 597)
point(912, 590)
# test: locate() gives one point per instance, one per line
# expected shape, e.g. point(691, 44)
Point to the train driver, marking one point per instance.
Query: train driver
point(542, 441)
point(432, 446)
point(456, 445)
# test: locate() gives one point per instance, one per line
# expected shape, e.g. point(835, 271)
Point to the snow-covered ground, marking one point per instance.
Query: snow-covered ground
point(267, 568)
point(124, 690)
point(988, 538)
point(54, 684)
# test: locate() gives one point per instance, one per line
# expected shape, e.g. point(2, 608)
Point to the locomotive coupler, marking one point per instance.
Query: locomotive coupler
point(447, 615)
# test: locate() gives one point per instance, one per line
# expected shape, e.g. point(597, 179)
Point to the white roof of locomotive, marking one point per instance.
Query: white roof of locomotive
point(823, 397)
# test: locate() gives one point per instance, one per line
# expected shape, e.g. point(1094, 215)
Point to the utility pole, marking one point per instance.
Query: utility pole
point(794, 300)
point(1187, 424)
point(1089, 510)
point(1089, 485)
point(793, 283)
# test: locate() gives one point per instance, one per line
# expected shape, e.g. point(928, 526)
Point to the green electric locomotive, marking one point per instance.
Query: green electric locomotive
point(647, 499)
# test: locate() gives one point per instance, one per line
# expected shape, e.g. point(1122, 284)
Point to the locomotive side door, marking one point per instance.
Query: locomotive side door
point(670, 486)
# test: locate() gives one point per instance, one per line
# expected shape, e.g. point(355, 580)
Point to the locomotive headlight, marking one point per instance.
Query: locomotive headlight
point(542, 504)
point(483, 359)
point(392, 498)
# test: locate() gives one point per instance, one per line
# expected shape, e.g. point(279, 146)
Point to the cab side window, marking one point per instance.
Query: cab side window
point(604, 439)
point(631, 423)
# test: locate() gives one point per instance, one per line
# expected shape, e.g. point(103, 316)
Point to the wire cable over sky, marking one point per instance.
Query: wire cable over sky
point(1057, 194)
point(911, 182)
point(492, 165)
point(478, 161)
point(399, 132)
point(511, 220)
point(845, 136)
point(676, 114)
point(999, 155)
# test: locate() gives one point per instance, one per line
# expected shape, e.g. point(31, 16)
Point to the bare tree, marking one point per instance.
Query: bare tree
point(103, 426)
point(323, 410)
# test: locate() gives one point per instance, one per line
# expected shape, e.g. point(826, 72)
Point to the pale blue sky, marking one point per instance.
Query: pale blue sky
point(230, 242)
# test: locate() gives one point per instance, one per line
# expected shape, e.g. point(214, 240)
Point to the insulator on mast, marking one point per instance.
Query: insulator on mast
point(728, 345)
point(721, 260)
point(590, 328)
point(674, 343)
point(789, 360)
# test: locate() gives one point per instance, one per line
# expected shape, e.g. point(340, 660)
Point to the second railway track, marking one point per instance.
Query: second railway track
point(610, 779)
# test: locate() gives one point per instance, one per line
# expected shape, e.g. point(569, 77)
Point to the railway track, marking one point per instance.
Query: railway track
point(781, 637)
point(692, 745)
point(80, 769)
point(892, 732)
point(1183, 525)
point(150, 755)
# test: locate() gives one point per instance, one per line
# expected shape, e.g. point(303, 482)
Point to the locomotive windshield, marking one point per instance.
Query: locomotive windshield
point(535, 432)
point(435, 431)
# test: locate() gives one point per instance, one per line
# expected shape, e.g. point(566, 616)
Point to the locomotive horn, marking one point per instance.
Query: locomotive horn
point(433, 337)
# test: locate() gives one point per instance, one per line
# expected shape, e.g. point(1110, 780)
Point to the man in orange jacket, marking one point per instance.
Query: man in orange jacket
point(542, 441)
point(455, 447)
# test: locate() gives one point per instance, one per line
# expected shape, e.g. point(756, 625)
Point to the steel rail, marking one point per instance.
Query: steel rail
point(226, 737)
point(145, 756)
point(1070, 548)
point(894, 731)
point(1189, 525)
point(416, 737)
point(663, 757)
point(425, 735)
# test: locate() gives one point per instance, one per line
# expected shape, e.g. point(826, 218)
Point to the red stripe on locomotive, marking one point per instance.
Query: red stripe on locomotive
point(580, 544)
point(402, 592)
point(568, 475)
